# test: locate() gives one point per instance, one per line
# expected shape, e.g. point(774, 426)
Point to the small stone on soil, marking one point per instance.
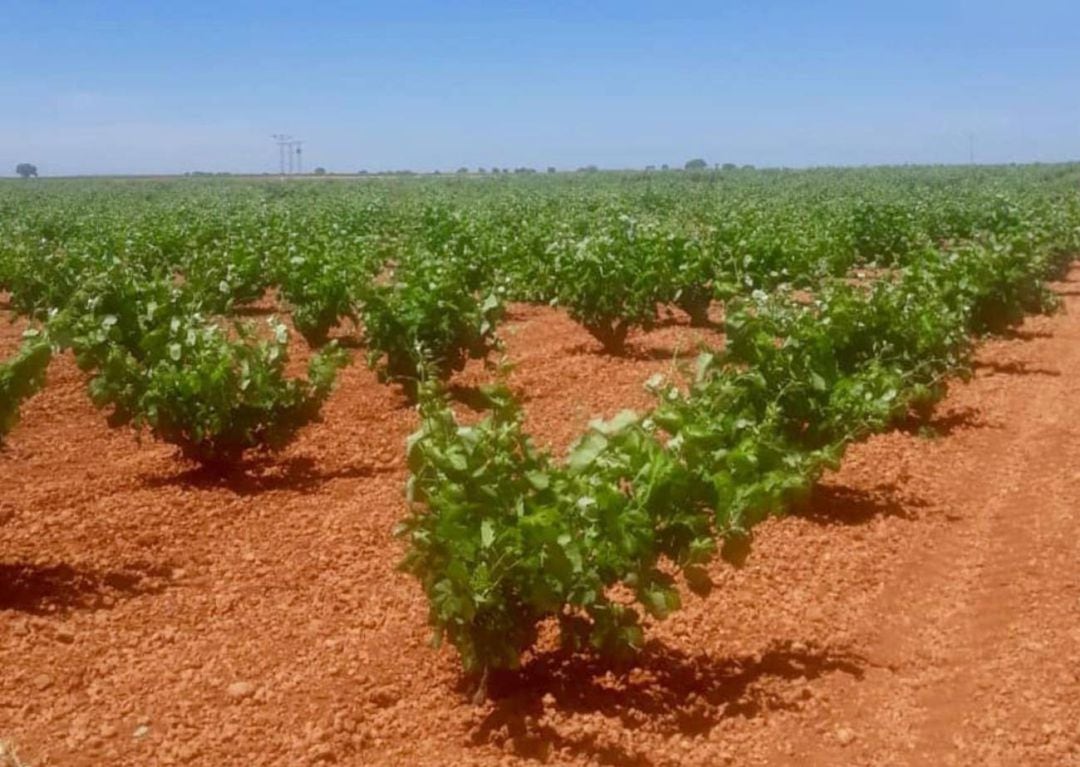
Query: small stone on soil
point(42, 682)
point(240, 690)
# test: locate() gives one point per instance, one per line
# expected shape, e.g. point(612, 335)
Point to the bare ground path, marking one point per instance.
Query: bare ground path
point(979, 625)
point(924, 609)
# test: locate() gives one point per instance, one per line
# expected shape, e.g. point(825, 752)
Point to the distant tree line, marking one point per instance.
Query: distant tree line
point(695, 164)
point(29, 170)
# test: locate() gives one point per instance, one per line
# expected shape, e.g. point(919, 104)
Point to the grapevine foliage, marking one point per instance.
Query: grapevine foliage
point(213, 389)
point(21, 377)
point(851, 299)
point(503, 536)
point(427, 316)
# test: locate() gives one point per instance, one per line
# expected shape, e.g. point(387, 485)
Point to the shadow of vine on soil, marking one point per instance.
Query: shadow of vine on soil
point(1019, 334)
point(944, 424)
point(61, 588)
point(636, 350)
point(842, 505)
point(1016, 368)
point(667, 690)
point(260, 475)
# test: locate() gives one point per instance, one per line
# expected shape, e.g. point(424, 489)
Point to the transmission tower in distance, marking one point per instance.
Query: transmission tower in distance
point(284, 146)
point(290, 154)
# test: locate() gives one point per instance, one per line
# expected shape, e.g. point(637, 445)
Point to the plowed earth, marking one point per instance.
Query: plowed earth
point(923, 609)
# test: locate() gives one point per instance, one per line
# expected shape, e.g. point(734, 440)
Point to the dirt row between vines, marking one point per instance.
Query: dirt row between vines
point(924, 609)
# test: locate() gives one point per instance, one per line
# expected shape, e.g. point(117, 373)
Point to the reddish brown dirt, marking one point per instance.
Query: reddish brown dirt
point(924, 609)
point(564, 378)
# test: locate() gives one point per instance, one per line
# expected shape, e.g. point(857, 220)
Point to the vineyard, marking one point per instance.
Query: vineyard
point(532, 418)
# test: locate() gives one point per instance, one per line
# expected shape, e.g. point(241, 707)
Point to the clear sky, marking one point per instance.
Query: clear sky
point(160, 87)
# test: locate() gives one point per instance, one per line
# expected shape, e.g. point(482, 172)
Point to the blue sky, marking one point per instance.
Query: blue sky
point(160, 87)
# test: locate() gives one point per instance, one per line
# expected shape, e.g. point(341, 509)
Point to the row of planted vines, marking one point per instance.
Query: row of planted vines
point(849, 301)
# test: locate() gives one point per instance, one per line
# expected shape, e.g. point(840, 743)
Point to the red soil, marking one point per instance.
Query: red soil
point(922, 610)
point(565, 380)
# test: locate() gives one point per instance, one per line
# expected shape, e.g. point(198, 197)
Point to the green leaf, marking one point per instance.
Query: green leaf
point(538, 479)
point(617, 424)
point(585, 450)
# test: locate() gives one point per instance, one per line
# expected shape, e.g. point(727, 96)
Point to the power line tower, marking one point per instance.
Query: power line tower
point(290, 154)
point(283, 144)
